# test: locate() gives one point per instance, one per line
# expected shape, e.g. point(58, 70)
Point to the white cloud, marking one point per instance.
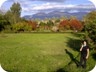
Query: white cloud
point(50, 0)
point(85, 6)
point(33, 6)
point(47, 7)
point(55, 6)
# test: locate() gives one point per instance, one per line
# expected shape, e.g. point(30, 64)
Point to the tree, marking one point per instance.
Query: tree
point(9, 17)
point(90, 33)
point(16, 9)
point(64, 25)
point(75, 24)
point(49, 23)
point(90, 29)
point(33, 24)
point(90, 16)
point(3, 22)
point(13, 15)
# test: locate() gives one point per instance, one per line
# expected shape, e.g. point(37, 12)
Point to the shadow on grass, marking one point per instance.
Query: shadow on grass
point(75, 44)
point(78, 34)
point(73, 59)
point(61, 70)
point(94, 56)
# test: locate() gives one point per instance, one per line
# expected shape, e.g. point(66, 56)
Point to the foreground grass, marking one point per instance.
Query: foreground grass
point(41, 52)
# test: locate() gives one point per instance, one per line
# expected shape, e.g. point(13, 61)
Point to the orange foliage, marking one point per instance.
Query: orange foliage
point(76, 24)
point(33, 24)
point(64, 23)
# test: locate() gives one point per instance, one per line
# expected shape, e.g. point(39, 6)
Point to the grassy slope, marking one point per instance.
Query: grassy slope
point(40, 52)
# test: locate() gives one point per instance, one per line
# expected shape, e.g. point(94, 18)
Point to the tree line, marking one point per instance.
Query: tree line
point(12, 22)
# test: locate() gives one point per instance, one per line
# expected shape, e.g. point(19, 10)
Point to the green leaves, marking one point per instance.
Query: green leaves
point(90, 28)
point(16, 9)
point(3, 22)
point(21, 26)
point(13, 15)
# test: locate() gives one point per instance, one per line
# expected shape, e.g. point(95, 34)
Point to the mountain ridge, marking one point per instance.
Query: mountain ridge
point(58, 14)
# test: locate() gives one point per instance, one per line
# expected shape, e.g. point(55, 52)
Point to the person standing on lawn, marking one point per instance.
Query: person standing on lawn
point(84, 54)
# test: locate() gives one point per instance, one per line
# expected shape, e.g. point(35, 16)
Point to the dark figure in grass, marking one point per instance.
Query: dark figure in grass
point(84, 54)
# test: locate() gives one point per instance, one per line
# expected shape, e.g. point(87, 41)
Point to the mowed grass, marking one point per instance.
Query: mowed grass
point(27, 52)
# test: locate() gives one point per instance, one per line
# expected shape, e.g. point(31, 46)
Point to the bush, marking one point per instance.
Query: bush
point(21, 27)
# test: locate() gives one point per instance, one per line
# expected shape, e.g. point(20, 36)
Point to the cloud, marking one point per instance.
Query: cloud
point(39, 0)
point(34, 6)
point(56, 6)
point(49, 0)
point(48, 4)
point(48, 7)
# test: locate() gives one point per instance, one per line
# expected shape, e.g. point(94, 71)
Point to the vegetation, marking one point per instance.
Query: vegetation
point(13, 15)
point(53, 52)
point(3, 22)
point(13, 19)
point(90, 29)
point(21, 27)
point(71, 24)
point(25, 52)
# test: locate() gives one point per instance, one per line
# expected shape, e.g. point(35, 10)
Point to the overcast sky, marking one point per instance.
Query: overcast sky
point(30, 7)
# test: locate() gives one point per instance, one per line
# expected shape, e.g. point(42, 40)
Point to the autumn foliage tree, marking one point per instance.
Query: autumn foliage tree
point(64, 24)
point(33, 24)
point(75, 24)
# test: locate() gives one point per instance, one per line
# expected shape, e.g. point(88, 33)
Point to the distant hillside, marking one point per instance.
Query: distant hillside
point(58, 14)
point(2, 12)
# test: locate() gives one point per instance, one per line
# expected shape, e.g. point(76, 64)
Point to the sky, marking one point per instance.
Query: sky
point(30, 7)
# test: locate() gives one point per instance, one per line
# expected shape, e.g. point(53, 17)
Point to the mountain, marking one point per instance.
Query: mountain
point(57, 14)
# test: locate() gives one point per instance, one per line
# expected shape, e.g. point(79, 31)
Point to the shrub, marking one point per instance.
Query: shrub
point(21, 26)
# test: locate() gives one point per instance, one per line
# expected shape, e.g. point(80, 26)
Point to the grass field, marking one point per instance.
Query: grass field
point(27, 52)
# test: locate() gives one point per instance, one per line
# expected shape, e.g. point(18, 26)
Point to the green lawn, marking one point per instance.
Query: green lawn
point(27, 52)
